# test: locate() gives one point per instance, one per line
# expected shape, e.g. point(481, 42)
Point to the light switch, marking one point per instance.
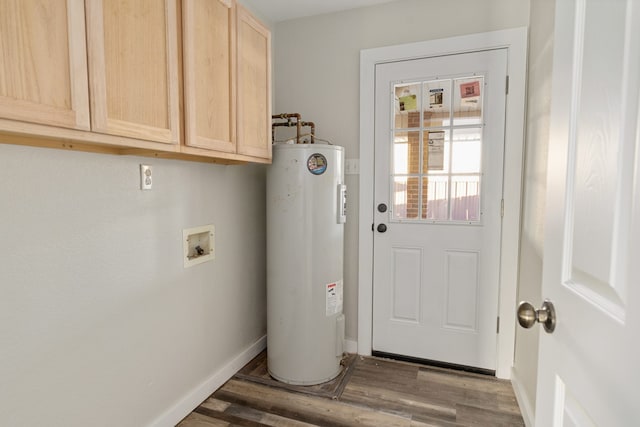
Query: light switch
point(352, 167)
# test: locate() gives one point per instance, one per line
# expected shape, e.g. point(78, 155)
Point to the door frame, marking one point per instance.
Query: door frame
point(515, 41)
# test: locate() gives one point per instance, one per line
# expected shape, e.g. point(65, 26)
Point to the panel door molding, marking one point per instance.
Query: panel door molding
point(209, 40)
point(254, 86)
point(133, 69)
point(43, 65)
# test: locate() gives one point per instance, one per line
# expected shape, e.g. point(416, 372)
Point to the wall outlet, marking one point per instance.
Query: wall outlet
point(146, 177)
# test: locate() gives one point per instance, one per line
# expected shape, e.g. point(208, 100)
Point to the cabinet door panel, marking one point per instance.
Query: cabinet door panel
point(43, 69)
point(254, 86)
point(209, 74)
point(133, 68)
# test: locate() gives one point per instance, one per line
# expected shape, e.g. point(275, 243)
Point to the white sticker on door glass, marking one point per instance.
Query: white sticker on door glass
point(437, 103)
point(435, 151)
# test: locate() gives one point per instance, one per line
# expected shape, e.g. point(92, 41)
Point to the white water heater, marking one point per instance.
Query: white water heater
point(306, 212)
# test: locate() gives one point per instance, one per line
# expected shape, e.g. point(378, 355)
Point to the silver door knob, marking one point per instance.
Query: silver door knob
point(528, 315)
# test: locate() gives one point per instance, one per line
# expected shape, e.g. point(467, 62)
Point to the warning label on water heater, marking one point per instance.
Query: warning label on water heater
point(334, 297)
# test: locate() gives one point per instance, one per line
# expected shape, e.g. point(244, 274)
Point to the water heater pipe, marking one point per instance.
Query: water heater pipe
point(313, 129)
point(292, 119)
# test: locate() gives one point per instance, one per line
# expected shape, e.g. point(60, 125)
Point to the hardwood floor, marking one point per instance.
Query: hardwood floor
point(370, 392)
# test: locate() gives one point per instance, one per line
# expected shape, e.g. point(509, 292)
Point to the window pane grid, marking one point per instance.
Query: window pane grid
point(437, 140)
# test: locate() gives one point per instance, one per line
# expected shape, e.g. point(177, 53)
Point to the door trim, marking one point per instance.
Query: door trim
point(515, 40)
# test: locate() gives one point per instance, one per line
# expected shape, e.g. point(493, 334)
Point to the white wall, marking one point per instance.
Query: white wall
point(317, 72)
point(100, 324)
point(535, 180)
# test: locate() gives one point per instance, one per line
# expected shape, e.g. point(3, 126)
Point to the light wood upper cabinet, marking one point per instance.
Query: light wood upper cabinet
point(133, 68)
point(209, 74)
point(122, 85)
point(254, 86)
point(43, 77)
point(227, 76)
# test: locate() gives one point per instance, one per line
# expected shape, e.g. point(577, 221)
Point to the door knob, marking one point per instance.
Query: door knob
point(528, 315)
point(382, 228)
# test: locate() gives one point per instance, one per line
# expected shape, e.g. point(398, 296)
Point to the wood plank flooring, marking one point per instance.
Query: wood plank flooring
point(369, 392)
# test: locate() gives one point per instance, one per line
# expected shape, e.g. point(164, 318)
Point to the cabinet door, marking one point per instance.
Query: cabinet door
point(133, 68)
point(254, 86)
point(209, 74)
point(43, 67)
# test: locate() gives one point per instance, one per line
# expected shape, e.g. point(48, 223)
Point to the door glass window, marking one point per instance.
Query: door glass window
point(466, 150)
point(406, 197)
point(435, 200)
point(406, 150)
point(437, 150)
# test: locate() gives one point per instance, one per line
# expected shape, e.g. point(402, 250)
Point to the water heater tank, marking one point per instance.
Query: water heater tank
point(306, 202)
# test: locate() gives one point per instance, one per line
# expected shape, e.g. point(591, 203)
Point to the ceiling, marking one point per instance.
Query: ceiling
point(282, 10)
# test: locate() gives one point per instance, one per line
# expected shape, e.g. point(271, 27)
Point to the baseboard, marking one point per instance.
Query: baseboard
point(189, 402)
point(350, 346)
point(528, 412)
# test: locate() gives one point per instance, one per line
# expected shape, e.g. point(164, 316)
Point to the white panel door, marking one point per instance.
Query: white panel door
point(588, 368)
point(439, 144)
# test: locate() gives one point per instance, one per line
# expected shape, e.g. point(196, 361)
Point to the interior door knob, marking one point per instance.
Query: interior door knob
point(528, 315)
point(382, 228)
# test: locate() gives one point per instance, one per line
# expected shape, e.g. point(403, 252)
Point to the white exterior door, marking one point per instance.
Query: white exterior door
point(588, 368)
point(439, 148)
